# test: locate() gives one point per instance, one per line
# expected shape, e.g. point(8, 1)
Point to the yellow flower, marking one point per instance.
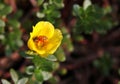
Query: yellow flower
point(44, 39)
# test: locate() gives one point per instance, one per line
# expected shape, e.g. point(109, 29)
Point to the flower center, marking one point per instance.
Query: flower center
point(40, 41)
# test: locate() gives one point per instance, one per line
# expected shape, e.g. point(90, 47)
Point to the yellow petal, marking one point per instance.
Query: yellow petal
point(54, 42)
point(43, 28)
point(41, 52)
point(33, 47)
point(31, 44)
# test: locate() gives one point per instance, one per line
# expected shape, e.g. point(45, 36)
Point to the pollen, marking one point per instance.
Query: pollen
point(40, 41)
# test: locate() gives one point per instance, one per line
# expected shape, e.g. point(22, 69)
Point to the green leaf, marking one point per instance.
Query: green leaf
point(18, 14)
point(34, 81)
point(2, 37)
point(19, 42)
point(79, 38)
point(104, 64)
point(40, 15)
point(86, 3)
point(23, 81)
point(30, 70)
point(107, 10)
point(94, 11)
point(2, 23)
point(39, 2)
point(1, 6)
point(58, 3)
point(8, 51)
point(51, 58)
point(46, 75)
point(62, 71)
point(14, 23)
point(60, 55)
point(14, 75)
point(76, 8)
point(38, 75)
point(50, 1)
point(67, 40)
point(43, 63)
point(5, 10)
point(1, 30)
point(12, 44)
point(56, 65)
point(53, 80)
point(4, 81)
point(45, 5)
point(56, 14)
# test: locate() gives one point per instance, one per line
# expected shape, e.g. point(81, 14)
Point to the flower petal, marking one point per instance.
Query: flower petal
point(43, 28)
point(31, 44)
point(33, 47)
point(54, 42)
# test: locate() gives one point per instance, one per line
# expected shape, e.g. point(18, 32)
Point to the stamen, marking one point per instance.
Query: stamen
point(40, 41)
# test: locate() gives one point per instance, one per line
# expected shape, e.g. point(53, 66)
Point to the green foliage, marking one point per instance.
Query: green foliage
point(39, 2)
point(50, 10)
point(2, 25)
point(10, 29)
point(60, 55)
point(30, 70)
point(38, 75)
point(104, 64)
point(62, 71)
point(43, 64)
point(86, 4)
point(15, 78)
point(42, 75)
point(90, 18)
point(53, 80)
point(23, 81)
point(51, 58)
point(5, 10)
point(67, 42)
point(4, 81)
point(44, 67)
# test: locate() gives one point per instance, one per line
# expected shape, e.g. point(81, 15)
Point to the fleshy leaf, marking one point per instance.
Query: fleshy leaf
point(30, 70)
point(38, 75)
point(60, 55)
point(43, 63)
point(46, 75)
point(23, 81)
point(51, 58)
point(86, 3)
point(2, 23)
point(5, 81)
point(14, 75)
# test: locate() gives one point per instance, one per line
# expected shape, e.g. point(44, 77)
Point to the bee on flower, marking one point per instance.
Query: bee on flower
point(44, 39)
